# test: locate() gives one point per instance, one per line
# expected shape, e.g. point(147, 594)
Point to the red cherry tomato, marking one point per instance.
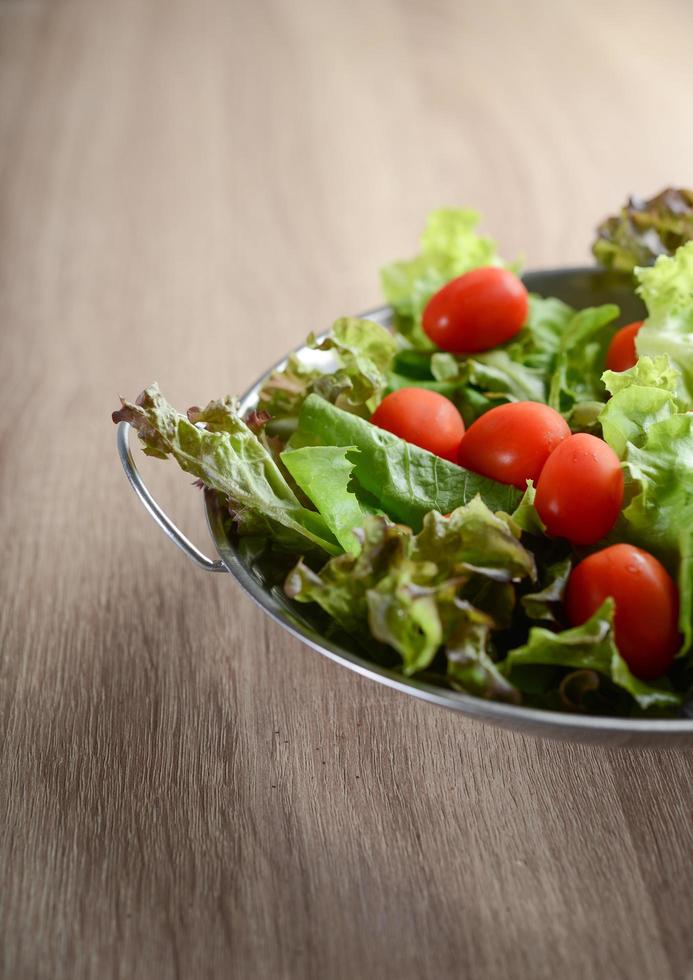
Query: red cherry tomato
point(423, 417)
point(580, 490)
point(646, 600)
point(512, 442)
point(621, 354)
point(478, 310)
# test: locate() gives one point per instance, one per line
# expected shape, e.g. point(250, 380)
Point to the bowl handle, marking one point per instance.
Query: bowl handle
point(161, 518)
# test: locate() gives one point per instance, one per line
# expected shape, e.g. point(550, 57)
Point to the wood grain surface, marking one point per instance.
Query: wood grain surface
point(187, 187)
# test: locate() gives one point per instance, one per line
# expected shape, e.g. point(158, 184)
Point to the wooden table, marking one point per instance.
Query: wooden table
point(187, 189)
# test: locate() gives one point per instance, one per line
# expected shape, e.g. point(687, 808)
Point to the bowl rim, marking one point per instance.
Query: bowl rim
point(512, 716)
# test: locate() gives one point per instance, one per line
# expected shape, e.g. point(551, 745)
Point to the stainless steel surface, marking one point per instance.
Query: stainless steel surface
point(579, 286)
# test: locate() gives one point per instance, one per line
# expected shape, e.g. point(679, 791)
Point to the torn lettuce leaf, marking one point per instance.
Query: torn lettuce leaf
point(645, 229)
point(226, 456)
point(413, 591)
point(450, 246)
point(589, 647)
point(323, 473)
point(354, 378)
point(407, 482)
point(667, 290)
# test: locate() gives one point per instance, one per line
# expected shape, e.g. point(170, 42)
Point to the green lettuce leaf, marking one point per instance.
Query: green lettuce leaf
point(647, 372)
point(342, 586)
point(685, 583)
point(539, 341)
point(580, 359)
point(473, 535)
point(590, 647)
point(450, 246)
point(544, 603)
point(641, 396)
point(521, 369)
point(495, 374)
point(405, 481)
point(226, 456)
point(656, 443)
point(645, 229)
point(323, 473)
point(366, 352)
point(470, 666)
point(667, 290)
point(525, 516)
point(414, 592)
point(282, 394)
point(354, 378)
point(662, 469)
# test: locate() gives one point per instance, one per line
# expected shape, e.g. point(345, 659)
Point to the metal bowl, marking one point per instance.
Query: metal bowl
point(579, 287)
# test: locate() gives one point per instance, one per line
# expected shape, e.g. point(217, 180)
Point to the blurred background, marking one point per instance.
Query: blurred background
point(184, 159)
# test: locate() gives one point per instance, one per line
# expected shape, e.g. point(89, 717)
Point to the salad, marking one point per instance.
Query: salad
point(494, 494)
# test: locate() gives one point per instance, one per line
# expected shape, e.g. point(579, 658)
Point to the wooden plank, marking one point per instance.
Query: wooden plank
point(187, 189)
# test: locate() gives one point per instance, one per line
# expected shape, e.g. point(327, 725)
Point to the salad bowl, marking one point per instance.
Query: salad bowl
point(576, 286)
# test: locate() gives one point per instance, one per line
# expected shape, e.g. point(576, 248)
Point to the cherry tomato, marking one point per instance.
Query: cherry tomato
point(580, 490)
point(423, 417)
point(512, 442)
point(478, 310)
point(646, 600)
point(621, 354)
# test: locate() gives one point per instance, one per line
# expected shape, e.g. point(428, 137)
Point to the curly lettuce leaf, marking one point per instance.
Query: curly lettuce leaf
point(590, 647)
point(366, 351)
point(473, 535)
point(662, 469)
point(413, 592)
point(644, 427)
point(323, 473)
point(667, 290)
point(645, 229)
point(450, 246)
point(640, 396)
point(405, 481)
point(343, 583)
point(228, 457)
point(354, 378)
